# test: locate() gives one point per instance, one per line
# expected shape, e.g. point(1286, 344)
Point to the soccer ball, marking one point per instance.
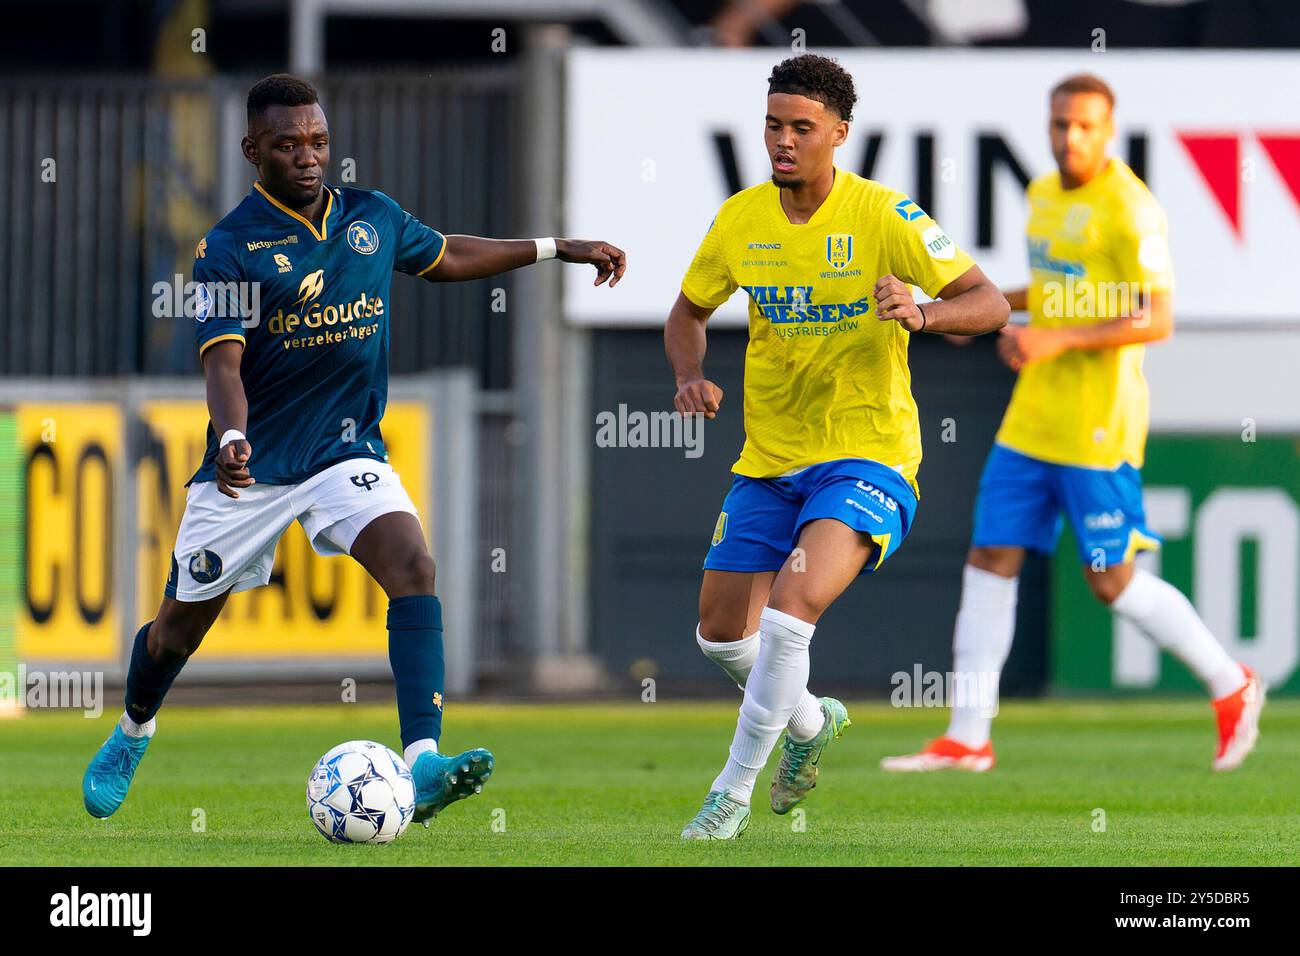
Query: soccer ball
point(360, 792)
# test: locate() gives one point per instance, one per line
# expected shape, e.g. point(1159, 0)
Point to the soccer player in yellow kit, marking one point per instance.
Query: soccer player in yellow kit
point(1074, 434)
point(825, 487)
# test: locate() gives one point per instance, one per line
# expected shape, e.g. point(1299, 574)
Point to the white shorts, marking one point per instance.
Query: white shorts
point(228, 544)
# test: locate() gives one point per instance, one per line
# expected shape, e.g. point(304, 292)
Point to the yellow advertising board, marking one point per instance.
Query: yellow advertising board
point(313, 606)
point(71, 455)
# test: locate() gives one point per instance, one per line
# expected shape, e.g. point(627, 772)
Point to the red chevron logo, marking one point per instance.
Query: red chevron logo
point(1217, 157)
point(1284, 151)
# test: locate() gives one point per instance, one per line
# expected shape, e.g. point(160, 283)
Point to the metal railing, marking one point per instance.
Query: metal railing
point(109, 182)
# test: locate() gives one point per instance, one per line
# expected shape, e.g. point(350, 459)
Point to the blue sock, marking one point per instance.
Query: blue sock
point(147, 681)
point(415, 653)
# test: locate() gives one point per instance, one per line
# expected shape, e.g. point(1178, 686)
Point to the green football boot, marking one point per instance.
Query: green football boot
point(797, 772)
point(721, 818)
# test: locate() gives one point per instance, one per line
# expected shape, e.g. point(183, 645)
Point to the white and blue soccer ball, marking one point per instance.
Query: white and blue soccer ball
point(361, 792)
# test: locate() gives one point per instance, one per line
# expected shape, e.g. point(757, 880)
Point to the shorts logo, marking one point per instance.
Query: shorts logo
point(363, 238)
point(871, 491)
point(1105, 521)
point(720, 529)
point(865, 510)
point(437, 699)
point(366, 480)
point(205, 566)
point(839, 250)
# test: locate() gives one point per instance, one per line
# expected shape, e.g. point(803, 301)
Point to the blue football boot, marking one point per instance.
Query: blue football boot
point(109, 775)
point(441, 780)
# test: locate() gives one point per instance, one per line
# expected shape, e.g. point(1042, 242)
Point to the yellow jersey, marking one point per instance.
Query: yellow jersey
point(824, 377)
point(1091, 250)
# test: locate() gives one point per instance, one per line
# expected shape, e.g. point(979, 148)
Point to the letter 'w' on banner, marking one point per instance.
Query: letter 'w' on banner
point(11, 511)
point(1231, 242)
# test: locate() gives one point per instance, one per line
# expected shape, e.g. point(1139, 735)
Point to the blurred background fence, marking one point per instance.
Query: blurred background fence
point(135, 169)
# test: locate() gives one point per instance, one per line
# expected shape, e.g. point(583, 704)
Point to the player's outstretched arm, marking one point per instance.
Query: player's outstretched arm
point(228, 408)
point(684, 341)
point(968, 305)
point(474, 257)
point(1153, 321)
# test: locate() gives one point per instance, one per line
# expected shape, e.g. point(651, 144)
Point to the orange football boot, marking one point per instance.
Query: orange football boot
point(943, 753)
point(1238, 715)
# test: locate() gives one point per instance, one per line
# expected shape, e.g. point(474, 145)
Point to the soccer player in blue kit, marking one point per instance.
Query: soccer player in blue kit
point(296, 394)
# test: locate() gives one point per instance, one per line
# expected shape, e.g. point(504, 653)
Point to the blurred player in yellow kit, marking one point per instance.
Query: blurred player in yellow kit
point(825, 488)
point(1073, 437)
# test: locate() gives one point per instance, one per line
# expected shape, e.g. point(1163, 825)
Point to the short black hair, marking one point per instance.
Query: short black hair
point(817, 77)
point(279, 89)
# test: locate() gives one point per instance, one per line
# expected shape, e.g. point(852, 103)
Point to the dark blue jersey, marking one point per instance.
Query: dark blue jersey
point(315, 362)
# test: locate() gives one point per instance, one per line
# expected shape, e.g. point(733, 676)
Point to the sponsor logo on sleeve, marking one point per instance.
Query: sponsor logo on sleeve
point(1153, 253)
point(908, 210)
point(202, 303)
point(938, 245)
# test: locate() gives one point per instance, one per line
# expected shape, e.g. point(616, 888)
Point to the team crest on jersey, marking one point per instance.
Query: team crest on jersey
point(1076, 219)
point(720, 529)
point(363, 238)
point(205, 566)
point(839, 250)
point(283, 262)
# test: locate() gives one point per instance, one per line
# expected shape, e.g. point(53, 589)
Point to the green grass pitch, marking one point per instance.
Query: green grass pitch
point(612, 784)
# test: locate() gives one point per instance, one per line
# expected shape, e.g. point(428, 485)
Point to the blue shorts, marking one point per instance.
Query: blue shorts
point(762, 517)
point(1022, 499)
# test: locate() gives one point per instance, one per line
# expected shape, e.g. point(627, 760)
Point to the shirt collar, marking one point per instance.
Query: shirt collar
point(323, 234)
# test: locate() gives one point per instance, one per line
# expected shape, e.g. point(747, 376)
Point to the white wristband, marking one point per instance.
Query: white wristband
point(229, 435)
point(545, 249)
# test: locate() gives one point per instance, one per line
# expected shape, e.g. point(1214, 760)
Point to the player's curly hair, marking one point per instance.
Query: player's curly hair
point(817, 77)
point(279, 89)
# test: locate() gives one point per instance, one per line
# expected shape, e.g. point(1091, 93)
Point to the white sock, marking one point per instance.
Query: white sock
point(132, 729)
point(1163, 613)
point(415, 748)
point(737, 658)
point(778, 679)
point(981, 641)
